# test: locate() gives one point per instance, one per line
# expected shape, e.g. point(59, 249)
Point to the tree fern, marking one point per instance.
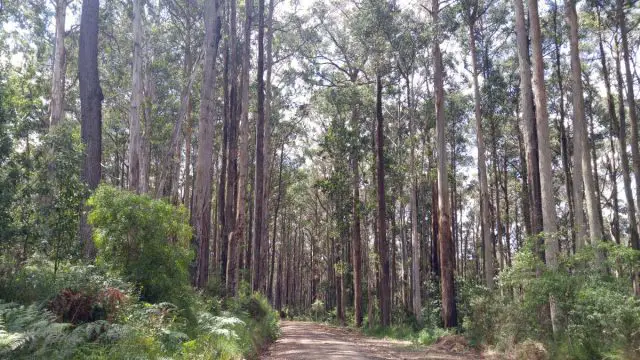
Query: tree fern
point(219, 325)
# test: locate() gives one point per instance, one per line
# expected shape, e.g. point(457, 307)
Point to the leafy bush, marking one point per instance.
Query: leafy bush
point(600, 317)
point(38, 281)
point(429, 336)
point(144, 239)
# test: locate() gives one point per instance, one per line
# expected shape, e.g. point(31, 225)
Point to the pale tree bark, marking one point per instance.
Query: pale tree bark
point(59, 57)
point(275, 222)
point(90, 110)
point(189, 66)
point(267, 132)
point(528, 126)
point(482, 162)
point(552, 247)
point(150, 96)
point(172, 157)
point(624, 158)
point(445, 241)
point(243, 153)
point(580, 139)
point(258, 238)
point(137, 96)
point(201, 213)
point(631, 102)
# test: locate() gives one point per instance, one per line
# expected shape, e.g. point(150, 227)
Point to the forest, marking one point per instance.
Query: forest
point(193, 179)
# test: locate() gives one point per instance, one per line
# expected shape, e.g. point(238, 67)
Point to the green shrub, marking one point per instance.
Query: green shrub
point(599, 316)
point(37, 281)
point(431, 335)
point(146, 240)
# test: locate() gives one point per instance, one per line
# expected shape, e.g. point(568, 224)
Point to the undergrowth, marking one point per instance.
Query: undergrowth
point(135, 303)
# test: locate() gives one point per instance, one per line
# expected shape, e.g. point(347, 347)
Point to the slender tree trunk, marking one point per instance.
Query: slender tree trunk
point(507, 220)
point(232, 159)
point(613, 133)
point(624, 159)
point(445, 242)
point(371, 282)
point(267, 135)
point(383, 245)
point(482, 163)
point(525, 194)
point(564, 141)
point(415, 237)
point(238, 232)
point(546, 180)
point(137, 99)
point(496, 186)
point(257, 276)
point(405, 261)
point(59, 58)
point(580, 141)
point(90, 110)
point(435, 233)
point(631, 102)
point(529, 126)
point(275, 220)
point(149, 91)
point(201, 214)
point(394, 250)
point(172, 157)
point(355, 235)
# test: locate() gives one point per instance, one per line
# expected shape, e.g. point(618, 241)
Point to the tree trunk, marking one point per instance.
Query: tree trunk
point(613, 133)
point(201, 214)
point(355, 234)
point(149, 91)
point(564, 141)
point(232, 156)
point(90, 110)
point(529, 127)
point(243, 164)
point(435, 233)
point(415, 237)
point(275, 221)
point(267, 136)
point(580, 141)
point(546, 181)
point(487, 242)
point(383, 245)
point(256, 263)
point(394, 250)
point(172, 157)
point(631, 102)
point(59, 57)
point(624, 160)
point(445, 243)
point(137, 96)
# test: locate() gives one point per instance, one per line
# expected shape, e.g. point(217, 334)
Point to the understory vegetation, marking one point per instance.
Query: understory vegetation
point(600, 319)
point(134, 303)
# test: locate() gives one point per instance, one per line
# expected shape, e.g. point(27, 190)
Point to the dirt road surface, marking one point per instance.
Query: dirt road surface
point(311, 341)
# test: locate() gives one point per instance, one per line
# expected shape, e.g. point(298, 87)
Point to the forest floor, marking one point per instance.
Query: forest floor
point(311, 341)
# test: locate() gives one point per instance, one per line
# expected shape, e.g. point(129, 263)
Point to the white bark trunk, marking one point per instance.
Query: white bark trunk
point(581, 143)
point(137, 95)
point(57, 86)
